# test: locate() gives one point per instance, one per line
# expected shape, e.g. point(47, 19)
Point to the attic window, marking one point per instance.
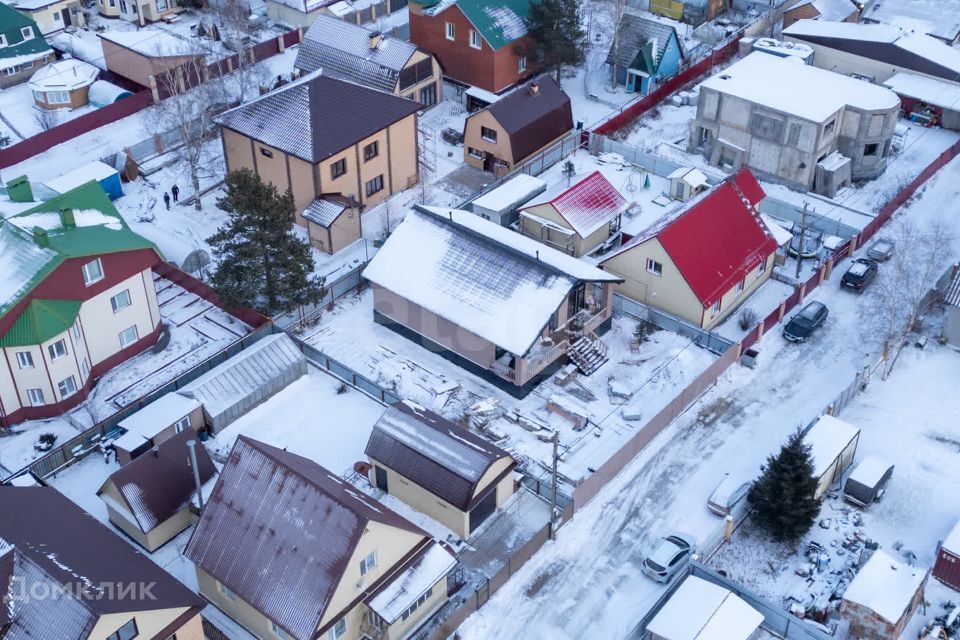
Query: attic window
point(488, 134)
point(368, 563)
point(475, 40)
point(654, 267)
point(26, 32)
point(92, 272)
point(126, 632)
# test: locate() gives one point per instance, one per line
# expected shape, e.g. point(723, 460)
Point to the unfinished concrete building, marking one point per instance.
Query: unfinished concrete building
point(792, 123)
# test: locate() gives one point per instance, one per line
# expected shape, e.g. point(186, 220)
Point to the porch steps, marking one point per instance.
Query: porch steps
point(588, 354)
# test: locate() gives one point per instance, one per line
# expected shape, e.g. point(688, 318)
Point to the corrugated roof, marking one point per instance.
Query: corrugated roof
point(499, 22)
point(636, 33)
point(342, 50)
point(276, 514)
point(533, 121)
point(952, 295)
point(318, 116)
point(442, 457)
point(403, 591)
point(159, 484)
point(40, 321)
point(11, 22)
point(588, 204)
point(323, 211)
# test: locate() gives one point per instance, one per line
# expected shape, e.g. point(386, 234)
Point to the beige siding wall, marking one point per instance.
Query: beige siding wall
point(731, 301)
point(845, 63)
point(135, 66)
point(156, 537)
point(410, 493)
point(502, 148)
point(403, 153)
point(102, 326)
point(50, 18)
point(149, 624)
point(413, 92)
point(345, 230)
point(504, 487)
point(238, 610)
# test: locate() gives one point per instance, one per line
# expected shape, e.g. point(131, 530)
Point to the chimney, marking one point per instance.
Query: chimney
point(192, 447)
point(41, 237)
point(374, 39)
point(67, 219)
point(534, 88)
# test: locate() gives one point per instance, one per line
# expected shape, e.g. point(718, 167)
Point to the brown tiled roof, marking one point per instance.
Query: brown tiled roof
point(442, 457)
point(279, 530)
point(531, 120)
point(159, 484)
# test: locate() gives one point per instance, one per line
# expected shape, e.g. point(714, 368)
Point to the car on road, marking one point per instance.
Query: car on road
point(880, 250)
point(671, 555)
point(731, 491)
point(861, 273)
point(802, 325)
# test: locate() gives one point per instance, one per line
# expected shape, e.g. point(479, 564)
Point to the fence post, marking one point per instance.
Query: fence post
point(760, 328)
point(154, 93)
point(801, 292)
point(280, 45)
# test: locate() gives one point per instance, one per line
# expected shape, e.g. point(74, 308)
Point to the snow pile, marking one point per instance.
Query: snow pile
point(885, 586)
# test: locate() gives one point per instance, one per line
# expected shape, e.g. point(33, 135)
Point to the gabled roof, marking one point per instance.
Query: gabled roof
point(587, 204)
point(499, 22)
point(533, 120)
point(278, 515)
point(489, 280)
point(717, 238)
point(70, 547)
point(442, 457)
point(19, 50)
point(317, 116)
point(934, 17)
point(636, 36)
point(325, 210)
point(159, 484)
point(12, 20)
point(702, 610)
point(342, 50)
point(833, 10)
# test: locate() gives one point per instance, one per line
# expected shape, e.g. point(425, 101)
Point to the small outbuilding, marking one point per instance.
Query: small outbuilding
point(833, 444)
point(882, 598)
point(500, 204)
point(867, 482)
point(951, 303)
point(702, 610)
point(104, 174)
point(947, 567)
point(157, 422)
point(103, 93)
point(246, 380)
point(687, 182)
point(150, 498)
point(63, 85)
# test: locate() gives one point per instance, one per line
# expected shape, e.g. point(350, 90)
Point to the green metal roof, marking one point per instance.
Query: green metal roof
point(40, 321)
point(500, 22)
point(11, 21)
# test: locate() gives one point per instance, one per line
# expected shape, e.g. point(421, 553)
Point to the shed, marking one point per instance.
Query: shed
point(103, 93)
point(702, 610)
point(833, 444)
point(951, 303)
point(500, 204)
point(687, 182)
point(63, 85)
point(882, 598)
point(867, 481)
point(947, 567)
point(107, 176)
point(165, 417)
point(247, 379)
point(923, 97)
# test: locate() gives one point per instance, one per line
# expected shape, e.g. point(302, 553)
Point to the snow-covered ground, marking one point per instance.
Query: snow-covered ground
point(22, 119)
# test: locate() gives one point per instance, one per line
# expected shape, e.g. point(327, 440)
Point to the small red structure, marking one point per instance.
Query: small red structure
point(947, 567)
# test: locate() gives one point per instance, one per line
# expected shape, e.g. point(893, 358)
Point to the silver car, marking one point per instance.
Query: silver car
point(731, 491)
point(670, 557)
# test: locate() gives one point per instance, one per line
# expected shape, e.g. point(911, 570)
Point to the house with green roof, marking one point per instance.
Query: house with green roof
point(77, 298)
point(22, 47)
point(478, 43)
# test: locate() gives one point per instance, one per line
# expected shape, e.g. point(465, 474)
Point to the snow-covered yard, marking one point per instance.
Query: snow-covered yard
point(22, 119)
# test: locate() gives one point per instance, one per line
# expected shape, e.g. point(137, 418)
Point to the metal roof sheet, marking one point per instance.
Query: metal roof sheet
point(40, 321)
point(635, 33)
point(533, 120)
point(587, 204)
point(952, 295)
point(403, 591)
point(323, 212)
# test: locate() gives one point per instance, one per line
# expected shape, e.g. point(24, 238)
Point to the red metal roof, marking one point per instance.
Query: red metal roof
point(587, 205)
point(719, 239)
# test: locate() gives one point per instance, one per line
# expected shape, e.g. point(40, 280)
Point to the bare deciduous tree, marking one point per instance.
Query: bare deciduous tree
point(616, 9)
point(45, 119)
point(234, 25)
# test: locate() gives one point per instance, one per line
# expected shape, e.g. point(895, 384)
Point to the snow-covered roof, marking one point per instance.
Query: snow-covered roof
point(323, 212)
point(95, 170)
point(952, 294)
point(952, 542)
point(66, 75)
point(938, 93)
point(835, 10)
point(103, 93)
point(870, 470)
point(936, 17)
point(306, 6)
point(53, 220)
point(694, 177)
point(827, 439)
point(514, 191)
point(780, 234)
point(154, 418)
point(781, 48)
point(586, 202)
point(885, 586)
point(702, 610)
point(20, 261)
point(153, 43)
point(487, 279)
point(414, 581)
point(788, 85)
point(483, 95)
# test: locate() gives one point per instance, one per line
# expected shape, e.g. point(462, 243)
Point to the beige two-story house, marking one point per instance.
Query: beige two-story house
point(338, 147)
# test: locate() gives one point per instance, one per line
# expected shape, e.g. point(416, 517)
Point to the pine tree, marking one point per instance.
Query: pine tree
point(261, 263)
point(558, 36)
point(783, 497)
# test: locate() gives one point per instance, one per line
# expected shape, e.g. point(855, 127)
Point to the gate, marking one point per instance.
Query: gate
point(483, 592)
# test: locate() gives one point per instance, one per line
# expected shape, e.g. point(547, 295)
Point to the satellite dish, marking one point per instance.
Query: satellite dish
point(196, 261)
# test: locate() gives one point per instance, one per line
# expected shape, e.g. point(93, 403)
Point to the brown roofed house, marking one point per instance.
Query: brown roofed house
point(517, 126)
point(149, 498)
point(289, 550)
point(439, 468)
point(326, 139)
point(100, 586)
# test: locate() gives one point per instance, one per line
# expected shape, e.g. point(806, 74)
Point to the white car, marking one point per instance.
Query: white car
point(671, 555)
point(731, 491)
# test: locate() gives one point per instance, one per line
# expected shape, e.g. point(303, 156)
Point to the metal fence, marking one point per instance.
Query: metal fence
point(336, 289)
point(706, 339)
point(345, 373)
point(652, 162)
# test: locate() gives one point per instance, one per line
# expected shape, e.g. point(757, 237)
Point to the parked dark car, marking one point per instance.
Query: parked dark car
point(860, 274)
point(806, 322)
point(867, 482)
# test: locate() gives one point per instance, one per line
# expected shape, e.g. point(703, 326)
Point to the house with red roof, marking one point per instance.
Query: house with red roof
point(575, 216)
point(704, 260)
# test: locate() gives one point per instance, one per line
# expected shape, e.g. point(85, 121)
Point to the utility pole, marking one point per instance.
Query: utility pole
point(803, 233)
point(553, 492)
point(192, 447)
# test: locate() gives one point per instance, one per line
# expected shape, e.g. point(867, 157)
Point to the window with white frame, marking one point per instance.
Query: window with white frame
point(451, 31)
point(58, 97)
point(475, 39)
point(368, 563)
point(25, 359)
point(128, 336)
point(180, 425)
point(92, 272)
point(716, 307)
point(740, 287)
point(36, 397)
point(58, 349)
point(654, 267)
point(522, 64)
point(762, 268)
point(488, 134)
point(26, 32)
point(475, 153)
point(416, 605)
point(338, 630)
point(3, 40)
point(67, 386)
point(121, 300)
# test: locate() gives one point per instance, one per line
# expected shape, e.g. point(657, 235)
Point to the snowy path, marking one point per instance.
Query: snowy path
point(588, 583)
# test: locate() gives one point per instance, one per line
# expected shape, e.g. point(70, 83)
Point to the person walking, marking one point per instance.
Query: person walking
point(175, 190)
point(166, 200)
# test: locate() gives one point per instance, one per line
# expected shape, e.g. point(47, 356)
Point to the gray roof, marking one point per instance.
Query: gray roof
point(442, 457)
point(323, 211)
point(279, 531)
point(533, 120)
point(636, 31)
point(342, 50)
point(317, 116)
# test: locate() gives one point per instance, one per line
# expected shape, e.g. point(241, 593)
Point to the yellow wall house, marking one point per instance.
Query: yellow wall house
point(338, 147)
point(353, 53)
point(149, 499)
point(157, 422)
point(288, 550)
point(99, 587)
point(705, 261)
point(52, 15)
point(439, 468)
